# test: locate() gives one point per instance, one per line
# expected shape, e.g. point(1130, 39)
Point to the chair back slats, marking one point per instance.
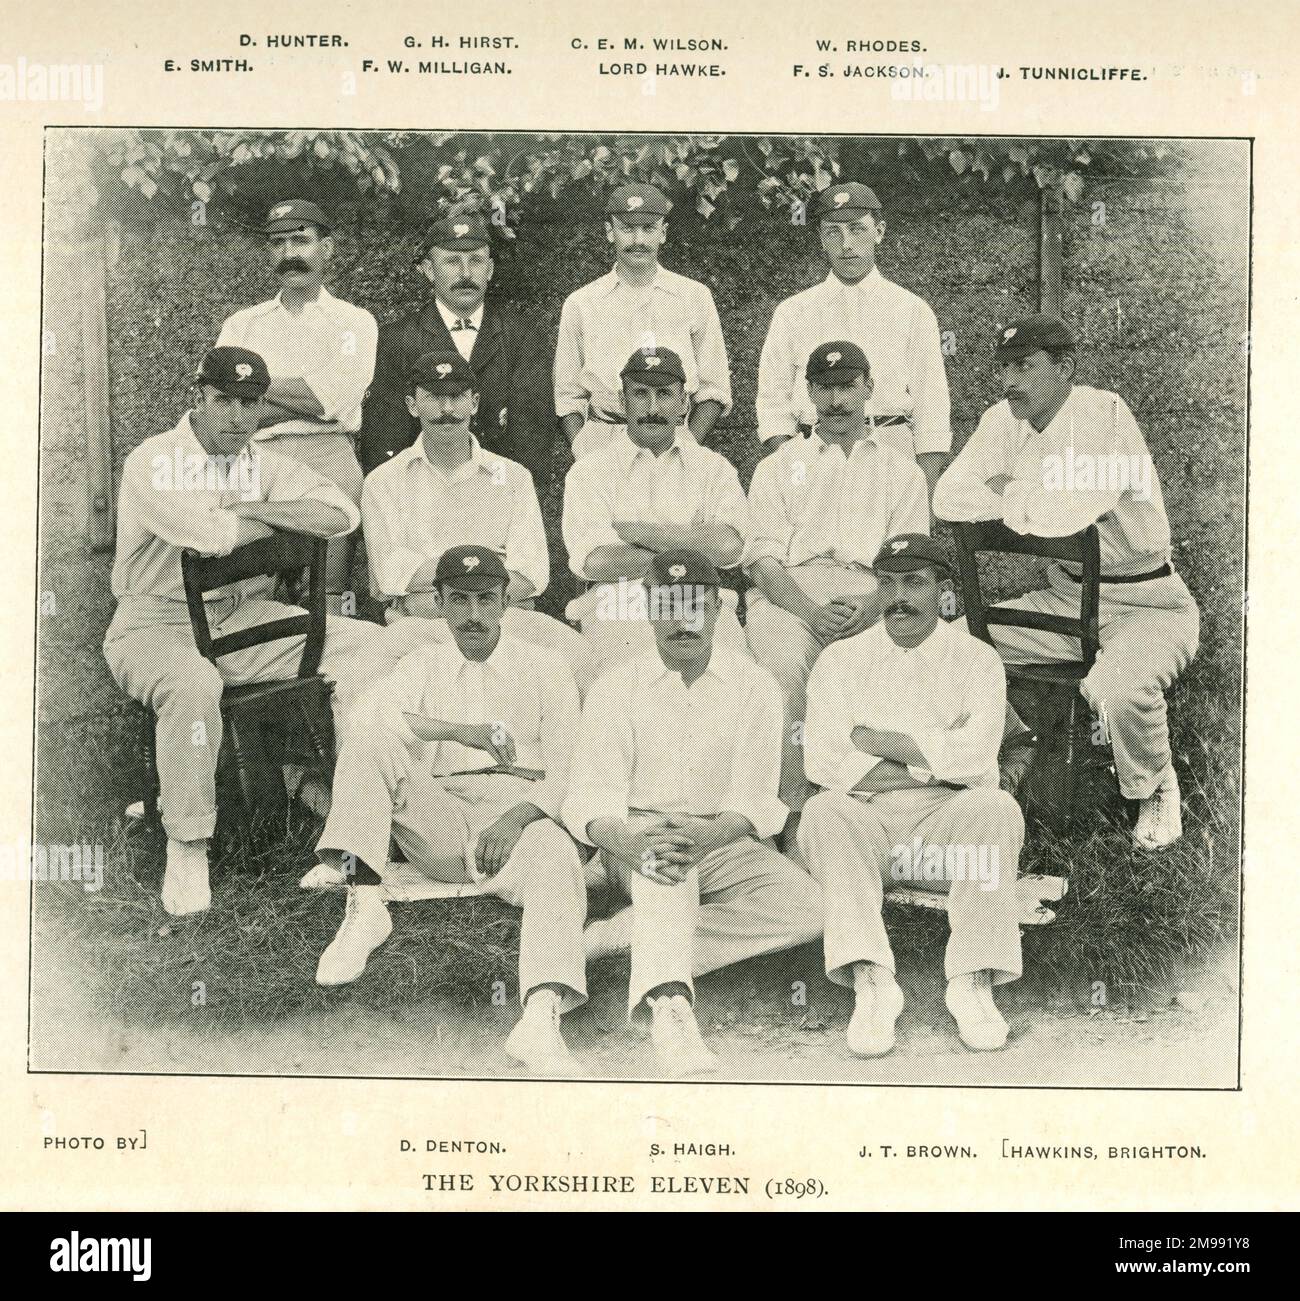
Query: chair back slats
point(281, 554)
point(1082, 548)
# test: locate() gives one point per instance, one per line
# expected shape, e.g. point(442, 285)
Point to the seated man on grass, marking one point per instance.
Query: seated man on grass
point(461, 755)
point(903, 729)
point(674, 781)
point(205, 485)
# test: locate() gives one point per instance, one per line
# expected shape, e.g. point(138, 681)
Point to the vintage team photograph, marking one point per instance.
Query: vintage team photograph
point(595, 607)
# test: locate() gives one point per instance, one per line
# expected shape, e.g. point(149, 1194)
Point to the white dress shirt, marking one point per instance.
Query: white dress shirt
point(605, 322)
point(526, 689)
point(650, 742)
point(1090, 465)
point(683, 486)
point(412, 512)
point(896, 329)
point(463, 338)
point(949, 694)
point(173, 495)
point(329, 345)
point(808, 501)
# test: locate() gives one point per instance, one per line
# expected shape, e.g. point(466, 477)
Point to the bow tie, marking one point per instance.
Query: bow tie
point(464, 324)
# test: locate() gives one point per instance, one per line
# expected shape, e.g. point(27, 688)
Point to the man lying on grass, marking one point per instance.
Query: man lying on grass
point(675, 781)
point(461, 754)
point(204, 485)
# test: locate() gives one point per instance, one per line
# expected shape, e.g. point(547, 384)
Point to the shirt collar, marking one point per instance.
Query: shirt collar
point(324, 302)
point(651, 670)
point(478, 460)
point(611, 281)
point(684, 445)
point(186, 437)
point(821, 445)
point(933, 651)
point(868, 284)
point(502, 662)
point(449, 318)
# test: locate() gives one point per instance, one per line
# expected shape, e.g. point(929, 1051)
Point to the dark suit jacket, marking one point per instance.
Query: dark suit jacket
point(512, 359)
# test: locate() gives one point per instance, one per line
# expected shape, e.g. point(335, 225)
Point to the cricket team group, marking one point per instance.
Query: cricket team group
point(741, 788)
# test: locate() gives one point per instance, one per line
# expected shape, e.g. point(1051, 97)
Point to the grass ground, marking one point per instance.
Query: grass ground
point(1129, 919)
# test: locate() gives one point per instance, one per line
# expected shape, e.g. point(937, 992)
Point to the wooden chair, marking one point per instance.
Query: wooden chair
point(248, 712)
point(1050, 691)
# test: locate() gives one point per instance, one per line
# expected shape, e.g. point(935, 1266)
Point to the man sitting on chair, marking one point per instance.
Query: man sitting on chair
point(651, 489)
point(1050, 459)
point(443, 491)
point(674, 780)
point(903, 730)
point(461, 754)
point(205, 486)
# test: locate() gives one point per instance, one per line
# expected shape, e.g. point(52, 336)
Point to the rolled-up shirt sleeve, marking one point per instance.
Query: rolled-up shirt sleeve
point(340, 384)
point(928, 381)
point(178, 517)
point(286, 480)
point(962, 492)
point(829, 756)
point(392, 566)
point(769, 524)
point(1048, 508)
point(710, 354)
point(756, 758)
point(725, 503)
point(560, 722)
point(526, 552)
point(966, 753)
point(587, 521)
point(570, 397)
point(776, 380)
point(600, 773)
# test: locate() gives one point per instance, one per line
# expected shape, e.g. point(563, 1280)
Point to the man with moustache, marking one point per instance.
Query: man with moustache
point(504, 347)
point(445, 490)
point(674, 781)
point(1050, 459)
point(903, 731)
point(209, 485)
point(819, 508)
point(655, 489)
point(321, 354)
point(637, 305)
point(464, 763)
point(894, 328)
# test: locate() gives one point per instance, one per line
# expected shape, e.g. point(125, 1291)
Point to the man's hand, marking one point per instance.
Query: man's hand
point(705, 834)
point(631, 533)
point(827, 621)
point(497, 842)
point(998, 483)
point(392, 758)
point(490, 737)
point(857, 612)
point(659, 852)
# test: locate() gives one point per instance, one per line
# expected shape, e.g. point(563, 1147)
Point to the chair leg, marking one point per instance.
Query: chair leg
point(320, 743)
point(1070, 783)
point(149, 750)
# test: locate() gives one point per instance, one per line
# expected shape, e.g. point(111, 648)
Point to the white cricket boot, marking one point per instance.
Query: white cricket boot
point(536, 1040)
point(676, 1037)
point(979, 1023)
point(366, 925)
point(877, 1007)
point(1160, 817)
point(185, 887)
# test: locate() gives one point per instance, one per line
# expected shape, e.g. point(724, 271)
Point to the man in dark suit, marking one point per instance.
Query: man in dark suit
point(509, 354)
